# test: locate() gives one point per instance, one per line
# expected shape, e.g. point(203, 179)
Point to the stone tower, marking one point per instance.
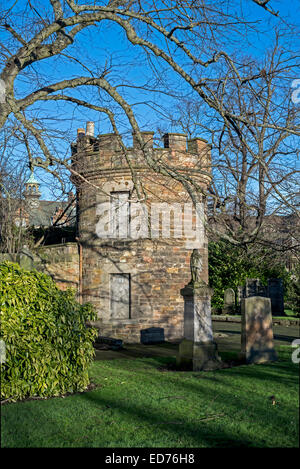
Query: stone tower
point(32, 191)
point(137, 228)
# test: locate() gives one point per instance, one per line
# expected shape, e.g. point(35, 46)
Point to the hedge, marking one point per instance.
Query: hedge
point(48, 346)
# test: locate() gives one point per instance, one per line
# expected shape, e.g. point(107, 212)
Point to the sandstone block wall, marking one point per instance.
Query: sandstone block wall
point(158, 266)
point(60, 261)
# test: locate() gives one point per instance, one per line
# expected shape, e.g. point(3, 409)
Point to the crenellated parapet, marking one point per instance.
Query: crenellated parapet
point(106, 152)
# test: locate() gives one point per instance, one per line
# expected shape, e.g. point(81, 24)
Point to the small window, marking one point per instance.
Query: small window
point(120, 214)
point(120, 296)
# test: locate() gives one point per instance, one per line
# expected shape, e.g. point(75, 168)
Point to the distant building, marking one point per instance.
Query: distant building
point(37, 213)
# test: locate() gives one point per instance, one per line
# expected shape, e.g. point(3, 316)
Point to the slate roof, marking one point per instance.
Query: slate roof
point(47, 211)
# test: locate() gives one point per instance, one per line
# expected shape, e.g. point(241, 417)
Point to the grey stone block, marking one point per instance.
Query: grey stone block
point(114, 344)
point(198, 356)
point(152, 335)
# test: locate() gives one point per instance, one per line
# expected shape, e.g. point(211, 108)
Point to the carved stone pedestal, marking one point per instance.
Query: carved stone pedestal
point(197, 356)
point(198, 350)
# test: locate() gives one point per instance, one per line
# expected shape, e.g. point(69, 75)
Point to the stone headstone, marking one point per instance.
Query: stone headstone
point(275, 293)
point(240, 294)
point(114, 344)
point(257, 333)
point(25, 259)
point(254, 287)
point(229, 301)
point(229, 296)
point(152, 335)
point(251, 287)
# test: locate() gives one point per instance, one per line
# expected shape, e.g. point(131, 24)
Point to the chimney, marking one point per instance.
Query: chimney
point(175, 141)
point(90, 128)
point(80, 133)
point(197, 145)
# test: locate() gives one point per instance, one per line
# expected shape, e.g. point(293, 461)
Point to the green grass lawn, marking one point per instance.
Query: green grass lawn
point(290, 312)
point(139, 404)
point(290, 318)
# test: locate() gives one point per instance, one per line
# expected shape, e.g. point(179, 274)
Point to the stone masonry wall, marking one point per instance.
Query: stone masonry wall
point(61, 262)
point(158, 266)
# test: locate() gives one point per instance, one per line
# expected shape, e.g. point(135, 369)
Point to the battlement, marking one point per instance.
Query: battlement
point(107, 151)
point(110, 141)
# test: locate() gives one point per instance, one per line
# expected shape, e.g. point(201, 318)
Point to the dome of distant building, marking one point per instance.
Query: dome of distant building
point(32, 179)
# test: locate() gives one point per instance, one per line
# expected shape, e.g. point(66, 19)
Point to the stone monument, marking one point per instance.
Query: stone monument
point(152, 335)
point(198, 349)
point(275, 293)
point(257, 333)
point(229, 301)
point(25, 258)
point(254, 287)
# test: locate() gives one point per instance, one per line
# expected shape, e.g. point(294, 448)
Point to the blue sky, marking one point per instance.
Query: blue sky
point(107, 43)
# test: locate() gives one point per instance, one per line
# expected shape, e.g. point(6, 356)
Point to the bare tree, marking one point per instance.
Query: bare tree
point(192, 45)
point(12, 205)
point(255, 168)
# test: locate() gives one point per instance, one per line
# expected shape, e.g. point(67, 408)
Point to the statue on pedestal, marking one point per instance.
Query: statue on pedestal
point(198, 349)
point(196, 264)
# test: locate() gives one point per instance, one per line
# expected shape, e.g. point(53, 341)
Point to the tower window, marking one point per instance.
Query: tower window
point(120, 214)
point(120, 296)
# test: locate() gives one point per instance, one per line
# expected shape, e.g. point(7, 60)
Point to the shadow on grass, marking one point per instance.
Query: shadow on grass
point(48, 431)
point(233, 404)
point(215, 411)
point(178, 429)
point(283, 338)
point(138, 351)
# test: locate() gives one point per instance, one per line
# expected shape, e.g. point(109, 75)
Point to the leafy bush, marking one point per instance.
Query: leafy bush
point(48, 345)
point(293, 292)
point(230, 266)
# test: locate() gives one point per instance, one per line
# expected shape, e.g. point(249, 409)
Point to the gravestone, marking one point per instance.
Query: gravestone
point(25, 259)
point(229, 301)
point(114, 344)
point(254, 288)
point(198, 349)
point(240, 294)
point(152, 335)
point(275, 293)
point(257, 333)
